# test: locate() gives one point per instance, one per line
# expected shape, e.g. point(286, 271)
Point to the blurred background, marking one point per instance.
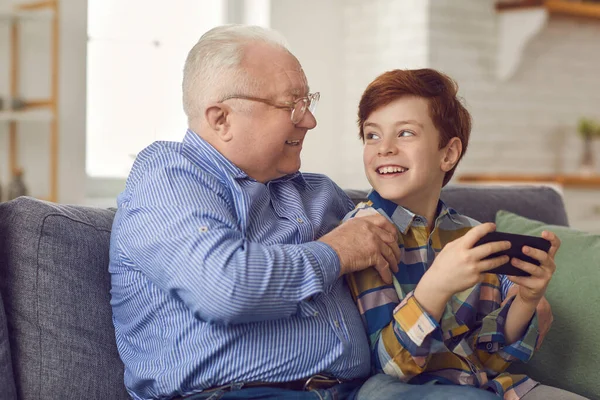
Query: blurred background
point(85, 85)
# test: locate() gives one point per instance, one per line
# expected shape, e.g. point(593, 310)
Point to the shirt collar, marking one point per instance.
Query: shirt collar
point(404, 218)
point(218, 161)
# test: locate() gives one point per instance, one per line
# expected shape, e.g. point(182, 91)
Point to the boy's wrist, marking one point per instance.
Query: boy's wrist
point(431, 298)
point(527, 303)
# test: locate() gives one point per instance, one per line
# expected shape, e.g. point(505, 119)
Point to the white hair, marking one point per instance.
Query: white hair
point(212, 68)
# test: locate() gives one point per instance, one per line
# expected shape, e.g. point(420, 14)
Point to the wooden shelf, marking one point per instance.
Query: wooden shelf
point(24, 14)
point(565, 180)
point(581, 9)
point(26, 116)
point(36, 109)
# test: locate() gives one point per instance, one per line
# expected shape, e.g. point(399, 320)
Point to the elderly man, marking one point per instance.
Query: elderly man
point(225, 260)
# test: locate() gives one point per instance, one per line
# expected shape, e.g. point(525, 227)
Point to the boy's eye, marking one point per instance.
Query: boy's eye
point(371, 135)
point(406, 134)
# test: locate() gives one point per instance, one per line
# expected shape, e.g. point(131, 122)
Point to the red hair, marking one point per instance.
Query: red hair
point(448, 114)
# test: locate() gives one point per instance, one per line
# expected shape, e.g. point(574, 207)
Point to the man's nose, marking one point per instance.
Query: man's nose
point(308, 121)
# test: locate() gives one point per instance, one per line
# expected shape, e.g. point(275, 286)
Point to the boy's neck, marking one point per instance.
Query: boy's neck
point(425, 206)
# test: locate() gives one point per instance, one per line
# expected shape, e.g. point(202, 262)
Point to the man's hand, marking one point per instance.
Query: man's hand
point(532, 288)
point(370, 241)
point(544, 312)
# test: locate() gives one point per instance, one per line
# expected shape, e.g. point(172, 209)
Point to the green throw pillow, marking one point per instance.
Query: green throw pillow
point(570, 355)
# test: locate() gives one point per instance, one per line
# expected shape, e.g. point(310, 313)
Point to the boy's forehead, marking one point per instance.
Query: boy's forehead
point(404, 108)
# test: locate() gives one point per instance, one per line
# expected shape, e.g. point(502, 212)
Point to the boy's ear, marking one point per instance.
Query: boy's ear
point(452, 153)
point(218, 116)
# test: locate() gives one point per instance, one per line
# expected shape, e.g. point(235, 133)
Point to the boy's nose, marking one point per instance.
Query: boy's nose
point(386, 148)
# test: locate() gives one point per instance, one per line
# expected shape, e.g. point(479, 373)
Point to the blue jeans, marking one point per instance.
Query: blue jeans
point(378, 387)
point(343, 391)
point(385, 387)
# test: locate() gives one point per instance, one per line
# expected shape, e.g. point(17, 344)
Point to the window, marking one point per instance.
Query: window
point(136, 52)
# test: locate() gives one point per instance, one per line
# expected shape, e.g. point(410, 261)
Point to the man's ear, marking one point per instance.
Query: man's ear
point(452, 153)
point(217, 116)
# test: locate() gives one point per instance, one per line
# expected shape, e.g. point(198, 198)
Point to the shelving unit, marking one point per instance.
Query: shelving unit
point(558, 7)
point(521, 20)
point(565, 180)
point(580, 193)
point(33, 109)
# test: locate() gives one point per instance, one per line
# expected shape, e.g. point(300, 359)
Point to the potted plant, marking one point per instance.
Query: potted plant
point(588, 129)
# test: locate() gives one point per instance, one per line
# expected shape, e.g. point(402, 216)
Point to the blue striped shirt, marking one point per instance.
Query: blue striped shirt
point(217, 278)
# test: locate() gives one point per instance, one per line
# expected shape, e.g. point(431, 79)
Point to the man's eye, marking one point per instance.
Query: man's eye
point(370, 136)
point(406, 134)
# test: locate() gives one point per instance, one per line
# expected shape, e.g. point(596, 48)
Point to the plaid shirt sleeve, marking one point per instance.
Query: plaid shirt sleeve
point(400, 332)
point(490, 341)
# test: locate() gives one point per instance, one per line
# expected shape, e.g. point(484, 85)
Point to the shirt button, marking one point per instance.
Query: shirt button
point(300, 220)
point(336, 323)
point(203, 229)
point(316, 314)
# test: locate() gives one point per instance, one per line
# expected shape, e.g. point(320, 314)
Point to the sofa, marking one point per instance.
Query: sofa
point(56, 334)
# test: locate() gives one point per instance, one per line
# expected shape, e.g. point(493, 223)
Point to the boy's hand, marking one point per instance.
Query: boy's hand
point(532, 288)
point(460, 265)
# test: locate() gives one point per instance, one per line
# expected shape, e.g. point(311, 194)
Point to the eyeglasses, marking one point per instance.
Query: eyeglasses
point(298, 107)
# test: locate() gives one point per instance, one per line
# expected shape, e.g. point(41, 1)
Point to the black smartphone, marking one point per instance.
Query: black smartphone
point(515, 251)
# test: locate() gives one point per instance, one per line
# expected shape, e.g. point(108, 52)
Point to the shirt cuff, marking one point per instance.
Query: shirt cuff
point(416, 326)
point(326, 262)
point(523, 348)
point(491, 336)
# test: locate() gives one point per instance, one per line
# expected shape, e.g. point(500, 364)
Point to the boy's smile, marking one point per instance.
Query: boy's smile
point(402, 158)
point(391, 170)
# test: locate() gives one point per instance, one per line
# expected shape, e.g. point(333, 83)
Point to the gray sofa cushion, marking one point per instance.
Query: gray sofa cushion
point(482, 202)
point(55, 285)
point(7, 383)
point(56, 289)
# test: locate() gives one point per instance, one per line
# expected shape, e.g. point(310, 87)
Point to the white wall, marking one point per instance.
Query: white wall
point(525, 124)
point(33, 136)
point(314, 31)
point(380, 35)
point(342, 46)
point(528, 123)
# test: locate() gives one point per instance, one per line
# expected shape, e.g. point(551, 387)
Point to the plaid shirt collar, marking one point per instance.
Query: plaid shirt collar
point(403, 218)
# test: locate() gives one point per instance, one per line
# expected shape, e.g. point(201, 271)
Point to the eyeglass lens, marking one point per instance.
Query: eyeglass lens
point(301, 106)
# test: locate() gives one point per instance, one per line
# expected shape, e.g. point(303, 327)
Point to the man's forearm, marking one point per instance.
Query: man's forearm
point(517, 320)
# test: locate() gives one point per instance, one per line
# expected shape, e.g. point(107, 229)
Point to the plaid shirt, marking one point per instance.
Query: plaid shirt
point(468, 346)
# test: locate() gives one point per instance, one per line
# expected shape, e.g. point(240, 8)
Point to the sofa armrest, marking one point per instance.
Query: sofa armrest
point(7, 381)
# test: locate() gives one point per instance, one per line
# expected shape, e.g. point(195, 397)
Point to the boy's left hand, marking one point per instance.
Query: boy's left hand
point(532, 288)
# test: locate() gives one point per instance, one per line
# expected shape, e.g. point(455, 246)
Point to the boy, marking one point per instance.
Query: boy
point(444, 319)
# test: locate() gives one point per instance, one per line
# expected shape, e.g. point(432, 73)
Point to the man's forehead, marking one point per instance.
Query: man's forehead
point(291, 81)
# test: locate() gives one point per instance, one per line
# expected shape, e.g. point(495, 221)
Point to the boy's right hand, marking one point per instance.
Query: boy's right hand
point(458, 267)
